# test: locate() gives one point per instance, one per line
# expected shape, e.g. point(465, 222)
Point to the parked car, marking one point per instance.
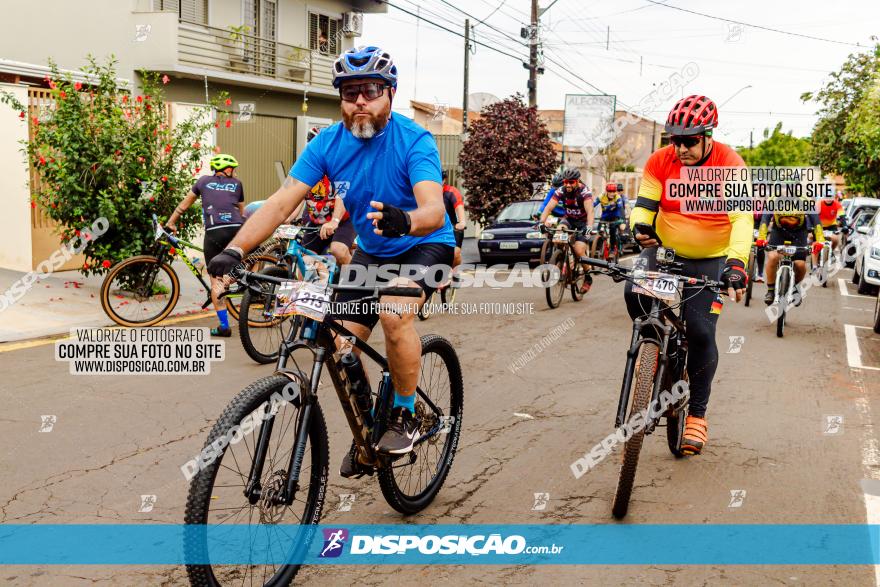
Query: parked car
point(866, 270)
point(849, 243)
point(512, 236)
point(859, 204)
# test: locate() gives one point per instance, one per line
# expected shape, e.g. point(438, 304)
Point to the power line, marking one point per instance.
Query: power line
point(480, 21)
point(440, 26)
point(756, 26)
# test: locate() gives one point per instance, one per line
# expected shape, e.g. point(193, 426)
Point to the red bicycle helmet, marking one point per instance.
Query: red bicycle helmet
point(611, 187)
point(693, 115)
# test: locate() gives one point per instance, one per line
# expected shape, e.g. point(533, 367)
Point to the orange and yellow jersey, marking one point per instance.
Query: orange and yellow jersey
point(694, 236)
point(829, 213)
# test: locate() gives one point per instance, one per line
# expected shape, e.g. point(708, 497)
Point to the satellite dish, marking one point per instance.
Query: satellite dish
point(479, 100)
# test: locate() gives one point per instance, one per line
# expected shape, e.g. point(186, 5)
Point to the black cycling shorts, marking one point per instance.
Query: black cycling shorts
point(217, 239)
point(780, 236)
point(577, 225)
point(344, 234)
point(432, 255)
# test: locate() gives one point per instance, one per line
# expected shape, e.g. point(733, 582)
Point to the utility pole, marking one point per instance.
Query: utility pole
point(467, 55)
point(533, 56)
point(751, 139)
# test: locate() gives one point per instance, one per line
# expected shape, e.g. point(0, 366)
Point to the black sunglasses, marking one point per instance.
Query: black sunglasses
point(370, 90)
point(688, 142)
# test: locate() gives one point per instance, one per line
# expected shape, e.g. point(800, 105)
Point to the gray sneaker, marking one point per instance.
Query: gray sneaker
point(402, 432)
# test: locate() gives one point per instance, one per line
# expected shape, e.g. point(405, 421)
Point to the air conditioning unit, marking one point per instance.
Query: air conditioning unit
point(353, 24)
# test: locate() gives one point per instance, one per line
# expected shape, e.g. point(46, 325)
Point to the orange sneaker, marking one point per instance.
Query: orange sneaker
point(696, 433)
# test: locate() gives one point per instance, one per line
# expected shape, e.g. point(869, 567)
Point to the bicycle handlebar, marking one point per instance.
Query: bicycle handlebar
point(391, 290)
point(614, 268)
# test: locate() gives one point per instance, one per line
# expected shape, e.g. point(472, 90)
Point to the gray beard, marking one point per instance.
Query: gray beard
point(363, 130)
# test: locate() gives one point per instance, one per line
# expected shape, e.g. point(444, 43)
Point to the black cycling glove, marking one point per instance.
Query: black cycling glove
point(394, 222)
point(224, 263)
point(734, 275)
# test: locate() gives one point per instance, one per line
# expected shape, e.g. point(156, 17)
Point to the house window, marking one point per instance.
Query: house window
point(324, 34)
point(189, 10)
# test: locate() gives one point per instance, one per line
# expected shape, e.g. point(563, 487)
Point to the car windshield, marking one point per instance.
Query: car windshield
point(520, 211)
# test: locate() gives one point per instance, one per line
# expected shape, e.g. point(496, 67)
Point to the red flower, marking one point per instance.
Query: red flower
point(63, 94)
point(197, 145)
point(228, 123)
point(54, 205)
point(35, 120)
point(148, 109)
point(76, 232)
point(21, 114)
point(46, 79)
point(140, 99)
point(164, 178)
point(141, 159)
point(198, 169)
point(152, 199)
point(173, 251)
point(216, 125)
point(105, 264)
point(146, 97)
point(42, 160)
point(117, 152)
point(168, 148)
point(228, 102)
point(165, 79)
point(85, 265)
point(77, 86)
point(52, 84)
point(124, 99)
point(33, 204)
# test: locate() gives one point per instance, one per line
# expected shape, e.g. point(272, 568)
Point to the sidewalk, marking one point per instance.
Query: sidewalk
point(66, 300)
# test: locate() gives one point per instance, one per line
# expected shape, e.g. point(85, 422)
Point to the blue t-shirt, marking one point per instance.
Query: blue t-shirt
point(384, 168)
point(559, 210)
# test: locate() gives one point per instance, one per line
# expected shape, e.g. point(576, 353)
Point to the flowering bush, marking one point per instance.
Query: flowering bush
point(101, 151)
point(508, 149)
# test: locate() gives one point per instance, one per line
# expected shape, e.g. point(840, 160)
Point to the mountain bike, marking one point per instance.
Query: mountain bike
point(603, 245)
point(143, 290)
point(785, 285)
point(570, 272)
point(263, 331)
point(278, 473)
point(655, 361)
point(752, 270)
point(828, 258)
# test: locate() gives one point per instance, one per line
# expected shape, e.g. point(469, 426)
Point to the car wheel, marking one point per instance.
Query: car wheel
point(855, 277)
point(865, 288)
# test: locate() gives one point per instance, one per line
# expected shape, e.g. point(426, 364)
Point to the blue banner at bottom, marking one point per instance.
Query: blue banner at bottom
point(497, 544)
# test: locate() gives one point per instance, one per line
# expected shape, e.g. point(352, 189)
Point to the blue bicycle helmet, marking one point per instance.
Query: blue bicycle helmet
point(252, 207)
point(365, 62)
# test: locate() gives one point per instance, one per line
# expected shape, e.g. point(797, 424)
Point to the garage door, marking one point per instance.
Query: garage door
point(264, 147)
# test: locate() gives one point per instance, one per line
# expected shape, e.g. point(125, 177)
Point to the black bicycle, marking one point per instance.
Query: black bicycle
point(655, 362)
point(277, 473)
point(569, 273)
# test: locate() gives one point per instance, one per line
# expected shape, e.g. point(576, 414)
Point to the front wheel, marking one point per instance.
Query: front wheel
point(782, 300)
point(217, 491)
point(555, 292)
point(751, 271)
point(640, 397)
point(140, 291)
point(260, 331)
point(411, 482)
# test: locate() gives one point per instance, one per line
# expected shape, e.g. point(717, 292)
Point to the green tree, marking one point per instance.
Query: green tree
point(779, 148)
point(846, 139)
point(100, 151)
point(507, 151)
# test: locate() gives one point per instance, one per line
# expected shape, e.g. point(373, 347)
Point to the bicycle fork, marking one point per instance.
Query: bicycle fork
point(638, 340)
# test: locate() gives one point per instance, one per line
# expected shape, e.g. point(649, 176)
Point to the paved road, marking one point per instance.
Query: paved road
point(117, 438)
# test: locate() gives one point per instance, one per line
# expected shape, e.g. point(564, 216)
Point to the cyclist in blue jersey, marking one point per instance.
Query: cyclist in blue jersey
point(386, 169)
point(222, 197)
point(613, 211)
point(555, 184)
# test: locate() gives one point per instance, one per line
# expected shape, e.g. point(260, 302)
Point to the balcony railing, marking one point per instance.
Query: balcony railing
point(237, 52)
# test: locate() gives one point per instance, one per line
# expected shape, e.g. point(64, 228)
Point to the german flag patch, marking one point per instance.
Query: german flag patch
point(717, 305)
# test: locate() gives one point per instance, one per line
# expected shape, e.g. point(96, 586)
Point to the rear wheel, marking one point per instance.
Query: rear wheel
point(640, 397)
point(557, 290)
point(140, 291)
point(411, 482)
